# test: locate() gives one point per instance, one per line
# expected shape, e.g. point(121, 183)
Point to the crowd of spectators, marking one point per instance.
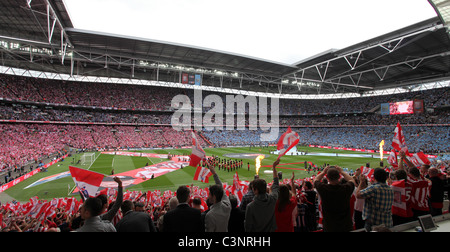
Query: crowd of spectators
point(139, 97)
point(17, 111)
point(419, 138)
point(21, 144)
point(131, 116)
point(331, 201)
point(86, 94)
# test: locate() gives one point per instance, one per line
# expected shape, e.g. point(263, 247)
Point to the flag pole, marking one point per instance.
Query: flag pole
point(70, 191)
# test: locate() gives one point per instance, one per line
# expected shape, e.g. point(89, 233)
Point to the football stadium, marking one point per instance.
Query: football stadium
point(95, 125)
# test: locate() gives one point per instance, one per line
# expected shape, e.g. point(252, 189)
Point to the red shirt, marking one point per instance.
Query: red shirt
point(284, 219)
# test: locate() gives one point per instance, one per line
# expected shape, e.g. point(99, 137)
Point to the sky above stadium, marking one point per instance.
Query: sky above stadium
point(285, 31)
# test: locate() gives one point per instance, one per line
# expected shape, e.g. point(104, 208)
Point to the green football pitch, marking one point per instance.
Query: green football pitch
point(104, 164)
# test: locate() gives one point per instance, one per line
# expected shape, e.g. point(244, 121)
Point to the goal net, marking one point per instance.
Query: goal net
point(87, 158)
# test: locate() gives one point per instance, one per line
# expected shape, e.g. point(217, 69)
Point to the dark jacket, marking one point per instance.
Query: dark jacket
point(136, 222)
point(183, 219)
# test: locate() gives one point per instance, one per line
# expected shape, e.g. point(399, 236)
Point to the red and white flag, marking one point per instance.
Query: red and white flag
point(88, 182)
point(197, 152)
point(202, 174)
point(399, 142)
point(368, 172)
point(393, 160)
point(237, 188)
point(287, 141)
point(71, 206)
point(38, 209)
point(419, 159)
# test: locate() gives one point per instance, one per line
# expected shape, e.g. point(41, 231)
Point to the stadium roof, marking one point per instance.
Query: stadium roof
point(39, 35)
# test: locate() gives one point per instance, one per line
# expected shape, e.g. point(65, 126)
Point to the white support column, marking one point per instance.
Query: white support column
point(72, 63)
point(157, 73)
point(63, 48)
point(50, 26)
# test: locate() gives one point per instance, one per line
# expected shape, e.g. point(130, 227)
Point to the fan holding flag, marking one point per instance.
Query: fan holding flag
point(202, 174)
point(392, 159)
point(88, 182)
point(412, 160)
point(399, 142)
point(216, 220)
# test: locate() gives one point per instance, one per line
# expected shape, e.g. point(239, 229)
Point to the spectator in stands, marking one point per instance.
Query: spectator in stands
point(197, 203)
point(183, 218)
point(90, 211)
point(173, 203)
point(237, 217)
point(359, 202)
point(284, 209)
point(437, 191)
point(133, 221)
point(403, 213)
point(379, 198)
point(248, 197)
point(335, 198)
point(139, 206)
point(420, 187)
point(109, 215)
point(420, 192)
point(216, 220)
point(259, 215)
point(310, 199)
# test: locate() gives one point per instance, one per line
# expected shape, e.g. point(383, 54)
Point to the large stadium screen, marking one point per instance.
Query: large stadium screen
point(401, 108)
point(418, 106)
point(193, 79)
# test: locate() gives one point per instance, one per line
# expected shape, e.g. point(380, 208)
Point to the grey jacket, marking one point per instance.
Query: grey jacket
point(260, 213)
point(96, 224)
point(216, 220)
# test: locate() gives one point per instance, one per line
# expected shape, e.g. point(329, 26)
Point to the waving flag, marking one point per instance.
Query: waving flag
point(71, 206)
point(38, 209)
point(368, 172)
point(287, 141)
point(399, 142)
point(237, 188)
point(202, 174)
point(86, 181)
point(419, 159)
point(197, 152)
point(392, 159)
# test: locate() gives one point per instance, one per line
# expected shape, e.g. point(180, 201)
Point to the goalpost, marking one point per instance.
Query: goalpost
point(87, 158)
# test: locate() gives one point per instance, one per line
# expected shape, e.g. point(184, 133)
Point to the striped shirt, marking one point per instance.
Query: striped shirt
point(379, 198)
